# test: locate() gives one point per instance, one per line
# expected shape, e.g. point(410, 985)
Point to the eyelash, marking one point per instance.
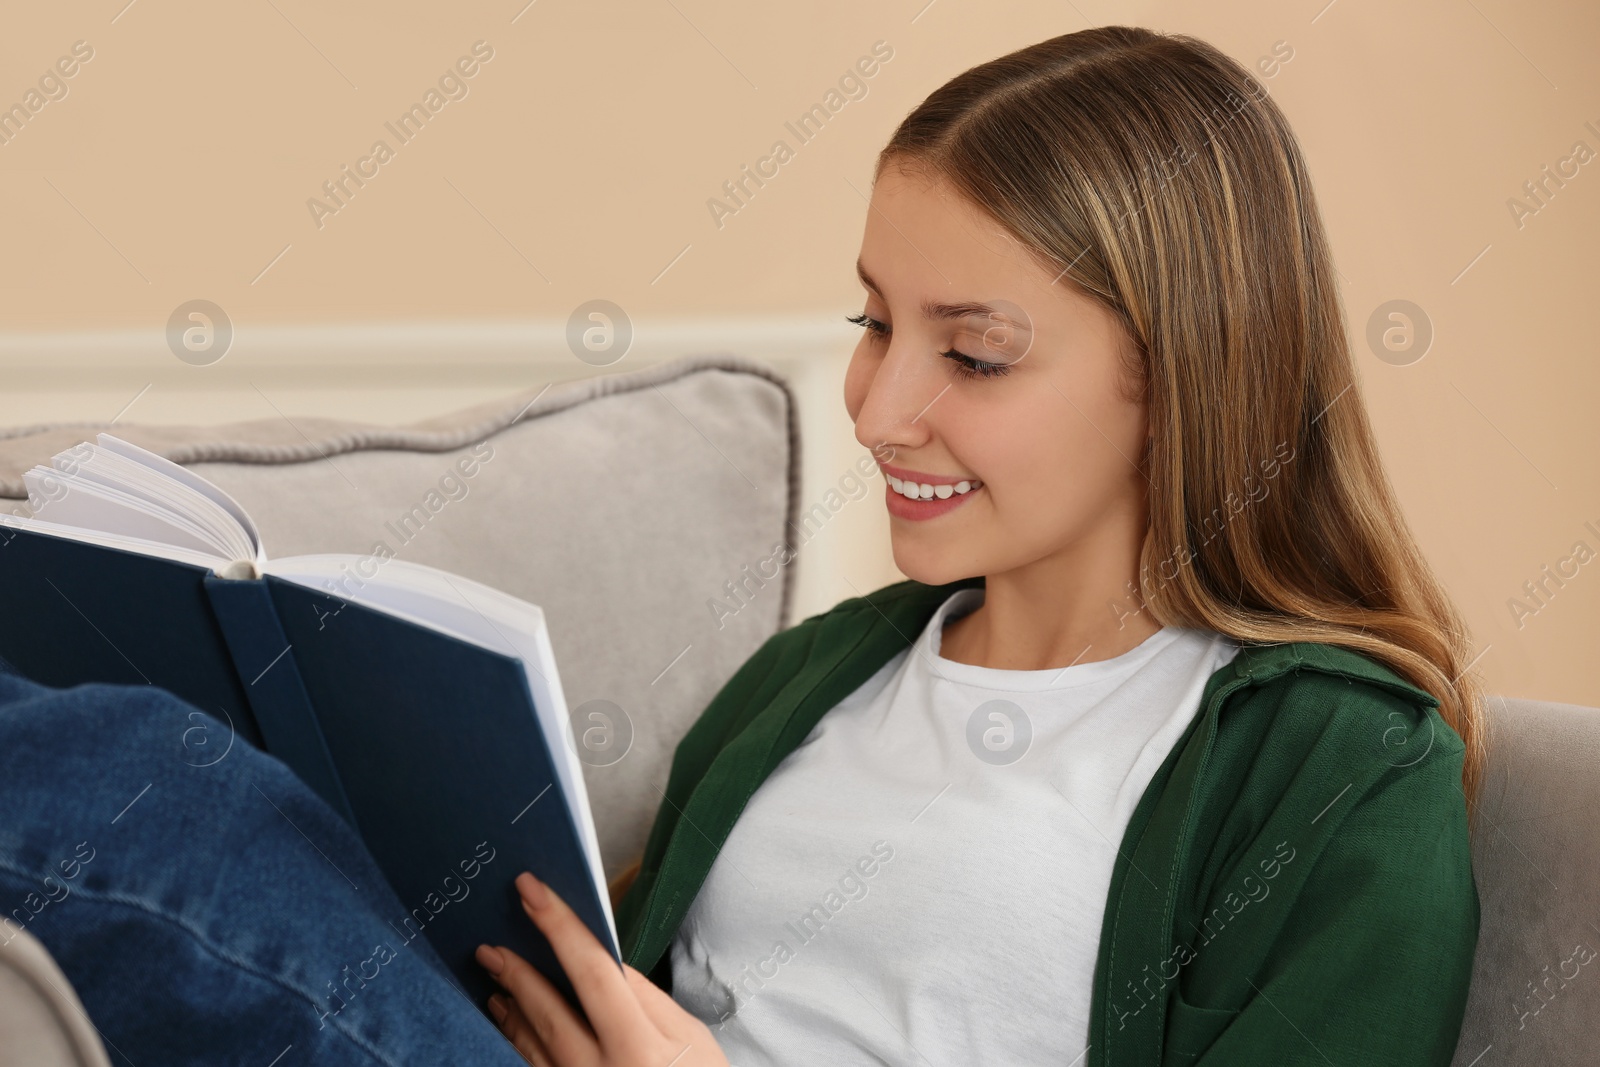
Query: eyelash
point(965, 365)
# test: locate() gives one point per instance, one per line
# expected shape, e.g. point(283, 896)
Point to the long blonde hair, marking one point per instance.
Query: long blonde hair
point(1159, 177)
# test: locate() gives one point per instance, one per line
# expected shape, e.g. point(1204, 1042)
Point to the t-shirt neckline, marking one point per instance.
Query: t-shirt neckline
point(964, 601)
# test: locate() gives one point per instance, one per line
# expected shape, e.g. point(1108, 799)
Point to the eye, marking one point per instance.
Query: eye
point(872, 326)
point(967, 367)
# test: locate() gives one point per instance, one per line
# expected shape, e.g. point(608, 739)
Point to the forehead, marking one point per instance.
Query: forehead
point(925, 241)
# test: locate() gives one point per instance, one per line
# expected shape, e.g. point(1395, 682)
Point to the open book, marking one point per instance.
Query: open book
point(425, 708)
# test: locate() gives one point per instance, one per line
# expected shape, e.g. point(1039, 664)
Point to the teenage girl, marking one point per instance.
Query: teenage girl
point(1164, 753)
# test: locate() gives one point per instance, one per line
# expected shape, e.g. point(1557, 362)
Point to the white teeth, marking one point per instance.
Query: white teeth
point(928, 491)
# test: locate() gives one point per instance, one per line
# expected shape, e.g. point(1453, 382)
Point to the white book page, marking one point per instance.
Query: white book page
point(91, 506)
point(92, 469)
point(119, 491)
point(488, 618)
point(178, 473)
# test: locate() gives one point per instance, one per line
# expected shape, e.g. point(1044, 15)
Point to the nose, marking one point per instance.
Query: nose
point(900, 398)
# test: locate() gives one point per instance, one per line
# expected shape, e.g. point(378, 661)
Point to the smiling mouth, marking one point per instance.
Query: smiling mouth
point(929, 491)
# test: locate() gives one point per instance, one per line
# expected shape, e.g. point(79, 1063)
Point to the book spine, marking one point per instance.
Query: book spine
point(264, 660)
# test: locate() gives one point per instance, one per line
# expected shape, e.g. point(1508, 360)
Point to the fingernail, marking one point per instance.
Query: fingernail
point(491, 959)
point(533, 891)
point(497, 1008)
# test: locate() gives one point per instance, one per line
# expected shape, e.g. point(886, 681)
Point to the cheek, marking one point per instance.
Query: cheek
point(1053, 467)
point(1049, 472)
point(1016, 444)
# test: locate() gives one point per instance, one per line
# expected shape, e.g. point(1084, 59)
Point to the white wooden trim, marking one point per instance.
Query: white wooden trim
point(438, 344)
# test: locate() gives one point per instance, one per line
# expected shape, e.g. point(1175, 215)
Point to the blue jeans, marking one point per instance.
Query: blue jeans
point(207, 907)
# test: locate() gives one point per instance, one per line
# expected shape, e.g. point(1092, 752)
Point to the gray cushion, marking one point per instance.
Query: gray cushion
point(1536, 860)
point(620, 505)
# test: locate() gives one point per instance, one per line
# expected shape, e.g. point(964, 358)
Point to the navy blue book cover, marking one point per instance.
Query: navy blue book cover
point(428, 744)
point(81, 613)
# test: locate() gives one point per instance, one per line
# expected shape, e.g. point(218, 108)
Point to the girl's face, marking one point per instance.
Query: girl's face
point(978, 367)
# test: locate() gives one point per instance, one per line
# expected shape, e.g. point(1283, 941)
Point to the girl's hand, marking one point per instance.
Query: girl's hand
point(634, 1024)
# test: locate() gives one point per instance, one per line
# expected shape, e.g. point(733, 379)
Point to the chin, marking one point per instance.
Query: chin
point(932, 565)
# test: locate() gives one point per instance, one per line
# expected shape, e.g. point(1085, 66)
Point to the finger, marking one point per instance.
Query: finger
point(517, 1030)
point(611, 1005)
point(564, 1036)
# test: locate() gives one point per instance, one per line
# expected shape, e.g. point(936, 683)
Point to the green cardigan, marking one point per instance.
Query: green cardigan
point(1294, 886)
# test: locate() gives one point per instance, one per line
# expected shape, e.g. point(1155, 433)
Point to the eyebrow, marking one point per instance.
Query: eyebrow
point(935, 310)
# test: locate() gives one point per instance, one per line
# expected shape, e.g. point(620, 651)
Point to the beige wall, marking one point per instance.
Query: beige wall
point(579, 164)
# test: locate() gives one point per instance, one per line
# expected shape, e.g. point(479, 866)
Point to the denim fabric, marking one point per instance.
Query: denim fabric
point(206, 905)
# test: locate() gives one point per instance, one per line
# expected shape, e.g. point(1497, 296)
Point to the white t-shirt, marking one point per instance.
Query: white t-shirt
point(922, 881)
